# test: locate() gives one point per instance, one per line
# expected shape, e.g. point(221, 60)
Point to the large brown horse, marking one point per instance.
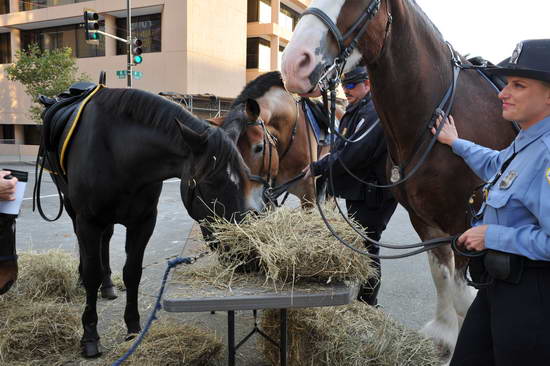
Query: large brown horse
point(278, 143)
point(410, 68)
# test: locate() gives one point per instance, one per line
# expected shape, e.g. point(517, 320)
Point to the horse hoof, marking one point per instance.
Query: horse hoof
point(6, 287)
point(90, 349)
point(130, 336)
point(108, 293)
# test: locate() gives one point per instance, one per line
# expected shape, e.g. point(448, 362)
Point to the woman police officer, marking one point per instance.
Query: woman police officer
point(509, 321)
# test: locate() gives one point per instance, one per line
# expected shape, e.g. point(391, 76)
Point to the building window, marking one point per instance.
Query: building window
point(5, 48)
point(288, 18)
point(258, 54)
point(31, 134)
point(259, 11)
point(65, 36)
point(144, 27)
point(39, 4)
point(8, 134)
point(4, 6)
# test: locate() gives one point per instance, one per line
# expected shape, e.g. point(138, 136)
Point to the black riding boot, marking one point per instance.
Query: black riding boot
point(368, 292)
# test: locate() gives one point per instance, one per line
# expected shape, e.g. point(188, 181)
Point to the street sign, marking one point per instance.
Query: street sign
point(121, 74)
point(137, 74)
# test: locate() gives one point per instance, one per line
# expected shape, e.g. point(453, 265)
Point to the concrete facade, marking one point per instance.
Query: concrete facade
point(204, 47)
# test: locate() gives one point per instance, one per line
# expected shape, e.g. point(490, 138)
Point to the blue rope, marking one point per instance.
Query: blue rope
point(153, 316)
point(8, 258)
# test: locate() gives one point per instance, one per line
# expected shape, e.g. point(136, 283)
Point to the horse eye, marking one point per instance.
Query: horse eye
point(259, 149)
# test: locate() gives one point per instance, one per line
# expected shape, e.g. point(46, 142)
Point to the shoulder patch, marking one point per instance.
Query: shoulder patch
point(547, 175)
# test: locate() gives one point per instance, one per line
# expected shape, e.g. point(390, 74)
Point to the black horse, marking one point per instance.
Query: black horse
point(128, 142)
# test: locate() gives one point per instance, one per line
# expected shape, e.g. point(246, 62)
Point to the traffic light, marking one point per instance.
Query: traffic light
point(91, 26)
point(137, 51)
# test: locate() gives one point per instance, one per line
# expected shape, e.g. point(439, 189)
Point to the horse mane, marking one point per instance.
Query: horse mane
point(428, 22)
point(253, 90)
point(259, 86)
point(160, 114)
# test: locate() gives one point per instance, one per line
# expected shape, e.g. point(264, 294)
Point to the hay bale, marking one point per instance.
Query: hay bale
point(169, 344)
point(290, 245)
point(50, 276)
point(39, 333)
point(351, 335)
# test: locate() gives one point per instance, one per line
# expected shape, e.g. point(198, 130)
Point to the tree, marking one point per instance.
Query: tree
point(47, 72)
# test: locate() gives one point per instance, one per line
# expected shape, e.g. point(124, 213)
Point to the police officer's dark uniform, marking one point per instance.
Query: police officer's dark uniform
point(509, 321)
point(366, 158)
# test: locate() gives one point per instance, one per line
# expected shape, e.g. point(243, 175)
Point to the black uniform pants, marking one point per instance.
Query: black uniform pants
point(507, 324)
point(373, 218)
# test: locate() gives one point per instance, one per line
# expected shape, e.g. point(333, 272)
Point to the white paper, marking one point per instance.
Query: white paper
point(13, 207)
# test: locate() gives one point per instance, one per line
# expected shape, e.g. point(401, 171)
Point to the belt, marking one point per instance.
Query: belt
point(529, 263)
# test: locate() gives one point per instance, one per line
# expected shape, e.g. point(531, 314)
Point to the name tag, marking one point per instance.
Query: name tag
point(507, 181)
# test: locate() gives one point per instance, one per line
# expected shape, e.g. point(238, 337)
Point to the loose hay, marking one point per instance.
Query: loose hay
point(351, 335)
point(168, 344)
point(38, 333)
point(52, 275)
point(290, 245)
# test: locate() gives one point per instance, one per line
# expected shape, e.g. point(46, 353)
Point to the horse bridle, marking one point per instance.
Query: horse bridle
point(270, 193)
point(359, 27)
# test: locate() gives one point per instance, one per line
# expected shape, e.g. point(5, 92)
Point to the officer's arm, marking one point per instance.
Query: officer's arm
point(532, 241)
point(360, 155)
point(483, 161)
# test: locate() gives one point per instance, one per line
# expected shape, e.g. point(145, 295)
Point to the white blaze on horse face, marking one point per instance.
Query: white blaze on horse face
point(308, 47)
point(233, 176)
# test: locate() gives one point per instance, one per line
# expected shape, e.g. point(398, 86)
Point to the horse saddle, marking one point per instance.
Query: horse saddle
point(318, 119)
point(60, 119)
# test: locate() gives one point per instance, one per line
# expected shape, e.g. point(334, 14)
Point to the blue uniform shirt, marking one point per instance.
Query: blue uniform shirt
point(517, 209)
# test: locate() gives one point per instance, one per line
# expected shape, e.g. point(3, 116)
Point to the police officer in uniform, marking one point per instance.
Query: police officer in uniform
point(366, 159)
point(509, 321)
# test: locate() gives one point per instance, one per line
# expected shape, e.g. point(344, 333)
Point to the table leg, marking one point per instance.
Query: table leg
point(283, 342)
point(231, 337)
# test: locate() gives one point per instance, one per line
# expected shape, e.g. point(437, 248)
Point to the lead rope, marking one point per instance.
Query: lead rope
point(153, 315)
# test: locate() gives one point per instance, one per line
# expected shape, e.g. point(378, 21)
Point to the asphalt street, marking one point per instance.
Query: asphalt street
point(407, 291)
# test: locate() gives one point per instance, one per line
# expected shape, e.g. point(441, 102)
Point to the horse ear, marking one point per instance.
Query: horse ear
point(193, 137)
point(252, 109)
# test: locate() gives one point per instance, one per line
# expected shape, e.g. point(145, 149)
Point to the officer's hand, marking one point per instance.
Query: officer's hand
point(448, 132)
point(7, 186)
point(474, 238)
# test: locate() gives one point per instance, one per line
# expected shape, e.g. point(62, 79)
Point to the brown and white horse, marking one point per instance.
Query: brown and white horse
point(410, 69)
point(278, 143)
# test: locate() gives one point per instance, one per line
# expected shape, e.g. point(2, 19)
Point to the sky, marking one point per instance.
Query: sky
point(489, 28)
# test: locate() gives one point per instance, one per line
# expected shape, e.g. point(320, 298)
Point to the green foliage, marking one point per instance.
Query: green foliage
point(47, 72)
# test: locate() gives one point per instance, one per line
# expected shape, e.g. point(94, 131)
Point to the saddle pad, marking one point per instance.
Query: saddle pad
point(319, 130)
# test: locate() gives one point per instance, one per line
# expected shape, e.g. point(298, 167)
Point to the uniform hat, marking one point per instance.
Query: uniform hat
point(356, 75)
point(530, 59)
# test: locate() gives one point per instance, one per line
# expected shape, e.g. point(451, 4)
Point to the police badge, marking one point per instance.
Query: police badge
point(507, 181)
point(517, 52)
point(395, 174)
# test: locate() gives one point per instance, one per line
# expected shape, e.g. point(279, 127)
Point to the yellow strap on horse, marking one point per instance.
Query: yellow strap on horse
point(75, 123)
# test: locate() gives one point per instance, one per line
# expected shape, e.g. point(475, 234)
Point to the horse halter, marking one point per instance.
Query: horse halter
point(268, 140)
point(333, 72)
